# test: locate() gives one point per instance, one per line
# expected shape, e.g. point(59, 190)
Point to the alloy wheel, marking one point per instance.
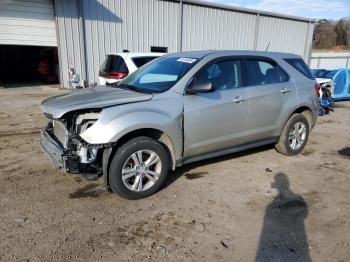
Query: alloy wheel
point(141, 170)
point(297, 135)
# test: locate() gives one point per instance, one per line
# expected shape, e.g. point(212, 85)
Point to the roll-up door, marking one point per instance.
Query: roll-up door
point(27, 22)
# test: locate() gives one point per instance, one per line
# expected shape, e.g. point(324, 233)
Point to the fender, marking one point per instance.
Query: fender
point(116, 122)
point(290, 108)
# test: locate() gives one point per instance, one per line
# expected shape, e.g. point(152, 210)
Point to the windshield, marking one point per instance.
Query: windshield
point(158, 76)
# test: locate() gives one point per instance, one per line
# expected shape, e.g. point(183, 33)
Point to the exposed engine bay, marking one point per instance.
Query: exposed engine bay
point(79, 156)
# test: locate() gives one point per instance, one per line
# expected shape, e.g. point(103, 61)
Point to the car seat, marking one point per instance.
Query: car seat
point(270, 76)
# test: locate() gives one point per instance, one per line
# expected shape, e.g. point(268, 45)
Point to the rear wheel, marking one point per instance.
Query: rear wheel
point(294, 136)
point(321, 112)
point(138, 168)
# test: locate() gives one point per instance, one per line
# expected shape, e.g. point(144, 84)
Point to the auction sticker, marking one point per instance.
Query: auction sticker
point(187, 60)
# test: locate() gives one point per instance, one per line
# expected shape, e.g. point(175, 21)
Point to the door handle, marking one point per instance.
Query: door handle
point(285, 90)
point(238, 99)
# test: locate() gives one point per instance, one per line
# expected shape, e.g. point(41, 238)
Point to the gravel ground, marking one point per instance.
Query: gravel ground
point(256, 205)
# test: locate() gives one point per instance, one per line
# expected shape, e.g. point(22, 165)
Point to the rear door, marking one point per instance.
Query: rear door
point(266, 84)
point(217, 120)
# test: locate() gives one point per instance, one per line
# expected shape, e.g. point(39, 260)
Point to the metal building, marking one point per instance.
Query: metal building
point(87, 30)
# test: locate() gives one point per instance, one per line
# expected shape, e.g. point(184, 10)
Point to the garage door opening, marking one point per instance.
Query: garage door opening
point(28, 65)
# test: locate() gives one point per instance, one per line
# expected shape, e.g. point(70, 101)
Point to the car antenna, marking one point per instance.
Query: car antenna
point(268, 46)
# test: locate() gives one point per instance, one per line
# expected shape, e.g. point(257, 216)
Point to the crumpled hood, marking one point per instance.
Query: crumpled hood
point(94, 97)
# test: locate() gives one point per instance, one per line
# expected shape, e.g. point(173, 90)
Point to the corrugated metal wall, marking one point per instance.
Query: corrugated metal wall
point(213, 28)
point(24, 22)
point(113, 25)
point(283, 35)
point(70, 38)
point(206, 27)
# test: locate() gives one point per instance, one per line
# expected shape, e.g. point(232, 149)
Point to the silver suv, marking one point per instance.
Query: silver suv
point(178, 109)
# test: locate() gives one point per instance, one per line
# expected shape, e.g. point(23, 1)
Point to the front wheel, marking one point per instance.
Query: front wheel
point(138, 168)
point(294, 136)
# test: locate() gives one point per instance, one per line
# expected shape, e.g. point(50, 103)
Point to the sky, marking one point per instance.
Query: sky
point(317, 9)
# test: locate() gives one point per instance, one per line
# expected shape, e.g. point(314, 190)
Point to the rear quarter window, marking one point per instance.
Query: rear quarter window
point(263, 72)
point(300, 65)
point(140, 61)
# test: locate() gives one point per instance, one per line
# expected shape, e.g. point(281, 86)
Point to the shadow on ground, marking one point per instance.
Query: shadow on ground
point(345, 151)
point(185, 170)
point(283, 236)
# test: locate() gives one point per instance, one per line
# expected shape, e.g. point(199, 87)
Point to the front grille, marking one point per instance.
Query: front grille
point(60, 132)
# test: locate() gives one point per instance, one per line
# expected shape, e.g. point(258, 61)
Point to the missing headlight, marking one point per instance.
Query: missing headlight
point(84, 121)
point(87, 155)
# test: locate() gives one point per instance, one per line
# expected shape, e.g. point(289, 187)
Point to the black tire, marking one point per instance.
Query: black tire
point(328, 93)
point(283, 146)
point(124, 153)
point(321, 112)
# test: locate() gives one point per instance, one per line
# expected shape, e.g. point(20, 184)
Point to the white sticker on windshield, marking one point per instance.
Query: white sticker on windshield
point(187, 60)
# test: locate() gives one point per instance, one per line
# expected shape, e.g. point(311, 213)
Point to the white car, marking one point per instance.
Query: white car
point(118, 65)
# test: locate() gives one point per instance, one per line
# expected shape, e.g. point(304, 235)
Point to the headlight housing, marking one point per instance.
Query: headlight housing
point(85, 121)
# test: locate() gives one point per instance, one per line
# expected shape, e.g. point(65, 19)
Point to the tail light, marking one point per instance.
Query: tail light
point(317, 89)
point(115, 75)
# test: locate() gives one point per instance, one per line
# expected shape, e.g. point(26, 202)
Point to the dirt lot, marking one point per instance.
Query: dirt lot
point(252, 205)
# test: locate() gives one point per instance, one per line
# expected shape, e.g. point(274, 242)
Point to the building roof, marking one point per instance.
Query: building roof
point(246, 10)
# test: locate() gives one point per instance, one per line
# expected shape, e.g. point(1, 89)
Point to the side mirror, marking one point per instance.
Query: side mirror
point(201, 86)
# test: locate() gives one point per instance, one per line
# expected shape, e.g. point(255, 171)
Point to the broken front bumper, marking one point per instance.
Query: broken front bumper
point(59, 158)
point(52, 149)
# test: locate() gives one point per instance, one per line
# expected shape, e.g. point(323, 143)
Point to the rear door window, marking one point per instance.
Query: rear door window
point(113, 63)
point(263, 72)
point(300, 65)
point(140, 61)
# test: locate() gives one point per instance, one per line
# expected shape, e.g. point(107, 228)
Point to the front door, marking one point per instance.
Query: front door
point(217, 120)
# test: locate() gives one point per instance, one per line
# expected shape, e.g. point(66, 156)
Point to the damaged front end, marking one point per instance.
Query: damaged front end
point(63, 144)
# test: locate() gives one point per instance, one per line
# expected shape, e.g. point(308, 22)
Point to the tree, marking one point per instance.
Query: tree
point(341, 29)
point(325, 35)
